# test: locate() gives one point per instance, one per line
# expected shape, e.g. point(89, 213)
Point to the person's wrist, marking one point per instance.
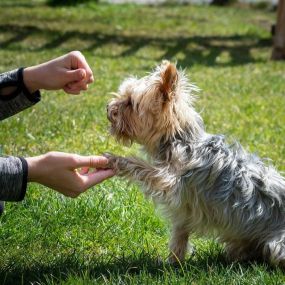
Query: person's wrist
point(34, 168)
point(30, 78)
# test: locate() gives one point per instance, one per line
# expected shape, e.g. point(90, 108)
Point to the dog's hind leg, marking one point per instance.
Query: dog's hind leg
point(274, 252)
point(243, 250)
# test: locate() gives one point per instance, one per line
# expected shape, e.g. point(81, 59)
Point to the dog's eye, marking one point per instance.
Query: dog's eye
point(115, 113)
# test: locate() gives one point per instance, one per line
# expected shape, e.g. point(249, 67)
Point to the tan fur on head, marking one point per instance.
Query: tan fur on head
point(152, 108)
point(169, 78)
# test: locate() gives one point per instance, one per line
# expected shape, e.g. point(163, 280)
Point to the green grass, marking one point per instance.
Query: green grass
point(111, 234)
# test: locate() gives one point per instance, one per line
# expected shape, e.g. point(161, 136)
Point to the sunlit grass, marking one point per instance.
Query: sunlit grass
point(111, 234)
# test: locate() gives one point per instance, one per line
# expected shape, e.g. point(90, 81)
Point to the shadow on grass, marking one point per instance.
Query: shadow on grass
point(20, 4)
point(123, 268)
point(203, 50)
point(68, 2)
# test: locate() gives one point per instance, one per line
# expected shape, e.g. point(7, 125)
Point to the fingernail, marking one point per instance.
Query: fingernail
point(105, 160)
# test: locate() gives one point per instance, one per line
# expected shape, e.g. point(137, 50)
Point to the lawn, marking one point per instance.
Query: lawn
point(111, 234)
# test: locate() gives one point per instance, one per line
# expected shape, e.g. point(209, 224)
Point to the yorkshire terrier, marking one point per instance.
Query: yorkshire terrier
point(204, 185)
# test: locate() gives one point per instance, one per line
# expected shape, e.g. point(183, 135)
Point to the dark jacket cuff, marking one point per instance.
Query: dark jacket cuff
point(18, 100)
point(33, 97)
point(15, 79)
point(25, 179)
point(13, 178)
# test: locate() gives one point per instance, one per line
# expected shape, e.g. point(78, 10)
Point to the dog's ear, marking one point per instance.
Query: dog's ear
point(169, 78)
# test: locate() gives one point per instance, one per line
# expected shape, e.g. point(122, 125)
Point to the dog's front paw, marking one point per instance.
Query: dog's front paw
point(112, 159)
point(117, 163)
point(178, 257)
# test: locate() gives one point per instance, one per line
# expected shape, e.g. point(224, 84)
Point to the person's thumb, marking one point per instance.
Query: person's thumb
point(97, 177)
point(75, 75)
point(91, 161)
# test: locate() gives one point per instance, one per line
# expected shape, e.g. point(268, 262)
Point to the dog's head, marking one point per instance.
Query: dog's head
point(152, 108)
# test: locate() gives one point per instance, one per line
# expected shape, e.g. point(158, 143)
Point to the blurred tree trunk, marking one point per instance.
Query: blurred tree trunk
point(278, 52)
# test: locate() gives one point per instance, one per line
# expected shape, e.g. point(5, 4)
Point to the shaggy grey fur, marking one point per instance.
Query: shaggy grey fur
point(203, 184)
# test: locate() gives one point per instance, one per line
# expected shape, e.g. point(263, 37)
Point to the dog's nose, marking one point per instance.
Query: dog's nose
point(108, 113)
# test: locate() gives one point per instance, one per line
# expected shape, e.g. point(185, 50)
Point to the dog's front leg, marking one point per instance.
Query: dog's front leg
point(178, 244)
point(181, 229)
point(157, 182)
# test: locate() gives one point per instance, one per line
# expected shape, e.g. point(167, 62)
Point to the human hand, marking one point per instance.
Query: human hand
point(67, 173)
point(69, 72)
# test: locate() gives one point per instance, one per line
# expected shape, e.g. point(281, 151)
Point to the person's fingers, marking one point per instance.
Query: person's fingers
point(91, 79)
point(76, 75)
point(78, 61)
point(71, 91)
point(83, 170)
point(82, 85)
point(83, 64)
point(73, 87)
point(97, 177)
point(90, 161)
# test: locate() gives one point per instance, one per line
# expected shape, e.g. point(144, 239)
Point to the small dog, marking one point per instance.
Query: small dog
point(204, 185)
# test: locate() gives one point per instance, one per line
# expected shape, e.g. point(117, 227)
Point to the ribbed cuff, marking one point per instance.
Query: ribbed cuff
point(15, 79)
point(33, 97)
point(25, 179)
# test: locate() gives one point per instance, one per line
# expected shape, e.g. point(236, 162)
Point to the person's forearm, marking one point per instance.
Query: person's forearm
point(31, 77)
point(34, 77)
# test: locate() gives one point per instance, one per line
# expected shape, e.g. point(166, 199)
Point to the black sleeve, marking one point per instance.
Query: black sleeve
point(20, 98)
point(13, 178)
